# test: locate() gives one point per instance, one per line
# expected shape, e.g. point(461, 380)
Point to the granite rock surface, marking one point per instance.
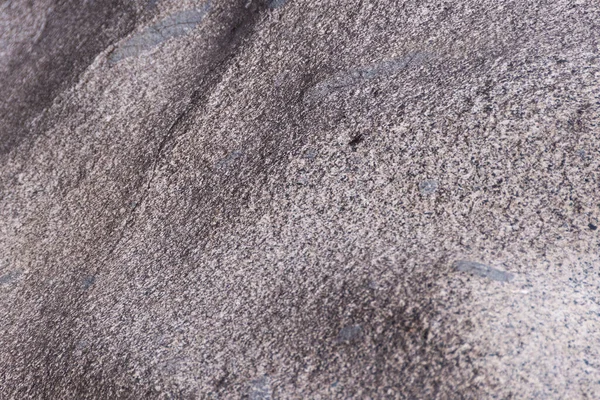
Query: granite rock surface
point(296, 199)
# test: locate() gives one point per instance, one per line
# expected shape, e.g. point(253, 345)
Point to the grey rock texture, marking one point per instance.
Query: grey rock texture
point(483, 270)
point(229, 202)
point(172, 26)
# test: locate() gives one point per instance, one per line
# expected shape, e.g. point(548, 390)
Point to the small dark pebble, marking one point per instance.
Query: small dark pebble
point(358, 139)
point(592, 226)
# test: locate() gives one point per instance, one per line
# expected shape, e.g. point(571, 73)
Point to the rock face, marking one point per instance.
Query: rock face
point(295, 199)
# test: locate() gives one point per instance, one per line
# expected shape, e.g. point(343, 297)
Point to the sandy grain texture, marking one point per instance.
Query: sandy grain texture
point(294, 199)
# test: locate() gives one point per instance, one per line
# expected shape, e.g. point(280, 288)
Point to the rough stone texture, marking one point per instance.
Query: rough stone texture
point(238, 210)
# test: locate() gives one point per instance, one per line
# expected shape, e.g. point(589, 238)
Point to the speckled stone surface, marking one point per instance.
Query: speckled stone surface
point(294, 199)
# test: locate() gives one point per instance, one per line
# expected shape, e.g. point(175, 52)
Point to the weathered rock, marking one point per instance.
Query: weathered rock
point(235, 199)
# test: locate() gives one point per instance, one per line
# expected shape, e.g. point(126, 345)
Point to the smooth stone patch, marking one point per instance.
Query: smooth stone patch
point(310, 154)
point(356, 76)
point(9, 277)
point(88, 281)
point(172, 26)
point(260, 389)
point(277, 3)
point(350, 333)
point(482, 270)
point(228, 162)
point(428, 187)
